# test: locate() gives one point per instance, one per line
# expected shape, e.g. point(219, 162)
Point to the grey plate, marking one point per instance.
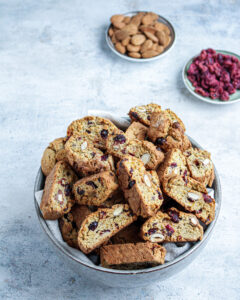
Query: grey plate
point(139, 60)
point(132, 278)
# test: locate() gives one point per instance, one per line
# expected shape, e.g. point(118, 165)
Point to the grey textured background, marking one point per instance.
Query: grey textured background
point(54, 66)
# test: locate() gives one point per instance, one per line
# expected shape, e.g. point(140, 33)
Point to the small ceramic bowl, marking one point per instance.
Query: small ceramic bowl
point(129, 278)
point(139, 60)
point(233, 98)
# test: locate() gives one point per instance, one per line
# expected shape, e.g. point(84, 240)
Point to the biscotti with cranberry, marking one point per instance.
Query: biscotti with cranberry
point(129, 234)
point(101, 225)
point(71, 222)
point(119, 145)
point(57, 198)
point(95, 129)
point(143, 113)
point(132, 256)
point(200, 165)
point(174, 163)
point(140, 189)
point(85, 158)
point(136, 131)
point(173, 226)
point(95, 189)
point(192, 195)
point(52, 154)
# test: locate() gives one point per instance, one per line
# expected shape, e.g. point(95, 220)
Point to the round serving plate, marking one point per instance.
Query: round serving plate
point(129, 278)
point(233, 98)
point(140, 60)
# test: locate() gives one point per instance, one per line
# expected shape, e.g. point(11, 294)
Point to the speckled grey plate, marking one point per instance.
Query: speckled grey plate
point(233, 98)
point(139, 60)
point(132, 278)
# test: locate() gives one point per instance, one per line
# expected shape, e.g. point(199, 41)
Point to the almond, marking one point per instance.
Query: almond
point(84, 145)
point(145, 158)
point(131, 29)
point(138, 39)
point(132, 48)
point(121, 34)
point(127, 20)
point(154, 46)
point(149, 18)
point(162, 27)
point(134, 54)
point(119, 25)
point(149, 54)
point(120, 48)
point(146, 46)
point(118, 211)
point(161, 35)
point(157, 237)
point(193, 196)
point(159, 49)
point(113, 38)
point(151, 36)
point(110, 32)
point(126, 41)
point(147, 180)
point(136, 20)
point(117, 19)
point(168, 40)
point(193, 221)
point(145, 28)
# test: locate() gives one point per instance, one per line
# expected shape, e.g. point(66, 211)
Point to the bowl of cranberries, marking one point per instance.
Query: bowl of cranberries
point(213, 76)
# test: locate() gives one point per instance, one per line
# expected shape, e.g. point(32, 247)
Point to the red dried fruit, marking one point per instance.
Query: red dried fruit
point(119, 139)
point(92, 184)
point(174, 216)
point(160, 196)
point(68, 190)
point(80, 191)
point(170, 230)
point(135, 116)
point(93, 225)
point(173, 165)
point(207, 198)
point(152, 230)
point(104, 133)
point(104, 157)
point(160, 141)
point(131, 183)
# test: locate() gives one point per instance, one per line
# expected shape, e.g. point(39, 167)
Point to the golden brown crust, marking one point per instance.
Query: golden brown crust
point(136, 131)
point(143, 113)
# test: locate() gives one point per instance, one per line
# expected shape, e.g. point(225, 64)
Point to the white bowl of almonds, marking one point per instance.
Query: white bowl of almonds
point(140, 36)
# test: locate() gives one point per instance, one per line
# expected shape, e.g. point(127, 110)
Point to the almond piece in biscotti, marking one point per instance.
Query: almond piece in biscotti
point(120, 48)
point(132, 48)
point(149, 18)
point(161, 26)
point(126, 41)
point(151, 36)
point(131, 29)
point(149, 54)
point(121, 34)
point(117, 19)
point(134, 54)
point(138, 39)
point(146, 46)
point(161, 35)
point(127, 20)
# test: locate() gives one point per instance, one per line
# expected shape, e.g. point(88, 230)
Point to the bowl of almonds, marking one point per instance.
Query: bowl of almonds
point(140, 36)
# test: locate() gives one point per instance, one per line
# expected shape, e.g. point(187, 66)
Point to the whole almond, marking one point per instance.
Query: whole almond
point(161, 35)
point(117, 18)
point(149, 18)
point(126, 41)
point(145, 28)
point(119, 25)
point(168, 40)
point(138, 39)
point(149, 54)
point(154, 46)
point(113, 38)
point(162, 27)
point(136, 20)
point(146, 46)
point(110, 32)
point(121, 34)
point(131, 29)
point(132, 48)
point(151, 36)
point(159, 49)
point(134, 54)
point(120, 48)
point(127, 20)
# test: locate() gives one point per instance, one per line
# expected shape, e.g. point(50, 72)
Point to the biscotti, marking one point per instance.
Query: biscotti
point(129, 234)
point(143, 113)
point(85, 158)
point(52, 154)
point(101, 225)
point(95, 129)
point(116, 198)
point(136, 131)
point(173, 226)
point(192, 195)
point(57, 198)
point(70, 223)
point(132, 256)
point(95, 189)
point(119, 145)
point(141, 191)
point(200, 165)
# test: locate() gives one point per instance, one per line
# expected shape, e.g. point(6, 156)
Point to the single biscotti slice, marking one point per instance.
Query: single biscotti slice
point(95, 189)
point(141, 188)
point(96, 130)
point(52, 154)
point(200, 165)
point(119, 145)
point(132, 256)
point(87, 159)
point(57, 198)
point(136, 131)
point(192, 195)
point(71, 222)
point(173, 226)
point(129, 234)
point(174, 163)
point(101, 225)
point(143, 113)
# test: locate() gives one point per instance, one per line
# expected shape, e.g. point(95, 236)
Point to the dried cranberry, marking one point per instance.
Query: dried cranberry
point(90, 122)
point(67, 190)
point(173, 165)
point(123, 151)
point(131, 171)
point(152, 230)
point(160, 197)
point(176, 125)
point(131, 183)
point(170, 230)
point(93, 154)
point(119, 139)
point(80, 191)
point(199, 211)
point(93, 226)
point(92, 184)
point(149, 118)
point(104, 157)
point(134, 115)
point(88, 131)
point(104, 133)
point(117, 225)
point(160, 141)
point(102, 214)
point(207, 198)
point(197, 163)
point(174, 216)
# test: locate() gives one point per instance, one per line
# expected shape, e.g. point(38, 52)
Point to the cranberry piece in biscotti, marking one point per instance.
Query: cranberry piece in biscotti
point(173, 226)
point(143, 113)
point(57, 197)
point(141, 188)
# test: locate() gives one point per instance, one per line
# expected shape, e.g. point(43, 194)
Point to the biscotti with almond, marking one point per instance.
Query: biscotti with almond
point(85, 158)
point(192, 195)
point(101, 225)
point(136, 131)
point(132, 256)
point(143, 113)
point(119, 145)
point(95, 129)
point(173, 226)
point(95, 189)
point(200, 165)
point(52, 154)
point(57, 198)
point(142, 192)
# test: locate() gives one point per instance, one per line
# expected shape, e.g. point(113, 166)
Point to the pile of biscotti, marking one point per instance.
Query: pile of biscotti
point(123, 194)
